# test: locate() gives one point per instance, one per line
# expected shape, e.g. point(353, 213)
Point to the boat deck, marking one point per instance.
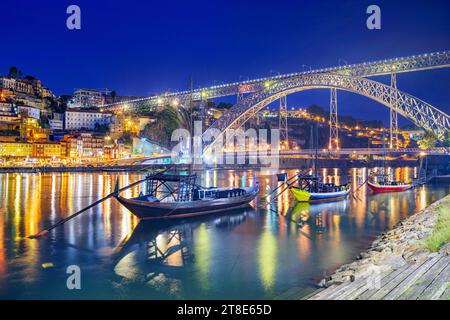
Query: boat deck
point(428, 280)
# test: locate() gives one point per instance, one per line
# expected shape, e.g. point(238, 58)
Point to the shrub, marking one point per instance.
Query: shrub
point(441, 233)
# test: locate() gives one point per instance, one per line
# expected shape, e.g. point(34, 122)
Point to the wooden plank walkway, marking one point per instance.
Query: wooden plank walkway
point(428, 280)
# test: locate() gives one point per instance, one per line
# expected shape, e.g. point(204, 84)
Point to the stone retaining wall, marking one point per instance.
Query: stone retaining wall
point(395, 248)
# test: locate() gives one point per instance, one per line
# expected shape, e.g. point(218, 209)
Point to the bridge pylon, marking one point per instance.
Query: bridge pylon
point(282, 116)
point(393, 114)
point(334, 131)
point(239, 97)
point(202, 113)
point(258, 119)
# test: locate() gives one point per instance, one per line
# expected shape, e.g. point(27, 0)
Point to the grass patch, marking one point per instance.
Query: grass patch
point(441, 233)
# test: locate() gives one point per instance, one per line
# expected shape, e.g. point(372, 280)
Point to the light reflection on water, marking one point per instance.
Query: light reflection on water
point(258, 252)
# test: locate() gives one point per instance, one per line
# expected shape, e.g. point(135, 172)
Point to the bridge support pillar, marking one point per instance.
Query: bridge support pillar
point(282, 116)
point(334, 131)
point(239, 97)
point(393, 118)
point(258, 119)
point(202, 107)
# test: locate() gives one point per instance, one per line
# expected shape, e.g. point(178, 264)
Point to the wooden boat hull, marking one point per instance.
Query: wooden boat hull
point(175, 210)
point(305, 196)
point(386, 188)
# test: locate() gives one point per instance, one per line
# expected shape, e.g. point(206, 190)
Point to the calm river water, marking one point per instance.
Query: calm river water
point(251, 253)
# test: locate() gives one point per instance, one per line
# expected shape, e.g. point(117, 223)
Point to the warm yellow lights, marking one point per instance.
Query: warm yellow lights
point(175, 102)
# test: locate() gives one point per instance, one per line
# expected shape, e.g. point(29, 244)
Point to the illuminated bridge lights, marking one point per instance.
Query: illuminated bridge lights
point(366, 69)
point(419, 112)
point(422, 114)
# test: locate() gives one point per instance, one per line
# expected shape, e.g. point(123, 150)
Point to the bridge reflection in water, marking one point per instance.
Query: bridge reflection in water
point(257, 252)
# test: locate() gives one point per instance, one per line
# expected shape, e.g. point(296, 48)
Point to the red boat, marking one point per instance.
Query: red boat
point(390, 187)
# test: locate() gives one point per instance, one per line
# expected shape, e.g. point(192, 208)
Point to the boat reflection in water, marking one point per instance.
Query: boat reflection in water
point(314, 215)
point(157, 254)
point(300, 213)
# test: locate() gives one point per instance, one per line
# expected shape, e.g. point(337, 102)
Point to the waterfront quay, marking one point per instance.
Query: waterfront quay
point(436, 164)
point(396, 266)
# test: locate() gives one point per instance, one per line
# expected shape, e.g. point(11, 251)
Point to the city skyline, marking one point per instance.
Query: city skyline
point(153, 56)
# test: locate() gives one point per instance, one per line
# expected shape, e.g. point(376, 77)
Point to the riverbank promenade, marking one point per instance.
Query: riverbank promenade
point(396, 266)
point(429, 280)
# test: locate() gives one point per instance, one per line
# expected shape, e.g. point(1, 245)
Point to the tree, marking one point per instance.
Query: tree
point(43, 122)
point(113, 95)
point(14, 72)
point(65, 98)
point(428, 141)
point(126, 139)
point(224, 105)
point(185, 119)
point(316, 110)
point(167, 120)
point(101, 128)
point(447, 139)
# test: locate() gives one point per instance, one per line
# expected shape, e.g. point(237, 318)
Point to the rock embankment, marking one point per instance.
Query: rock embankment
point(394, 249)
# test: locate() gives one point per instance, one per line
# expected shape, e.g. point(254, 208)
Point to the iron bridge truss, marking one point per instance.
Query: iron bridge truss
point(382, 67)
point(260, 92)
point(419, 112)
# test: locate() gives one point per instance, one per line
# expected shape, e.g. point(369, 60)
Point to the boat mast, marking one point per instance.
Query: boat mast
point(313, 145)
point(385, 171)
point(316, 142)
point(191, 126)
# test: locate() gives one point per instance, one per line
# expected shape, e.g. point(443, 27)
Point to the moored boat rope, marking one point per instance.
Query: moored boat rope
point(116, 192)
point(360, 186)
point(287, 184)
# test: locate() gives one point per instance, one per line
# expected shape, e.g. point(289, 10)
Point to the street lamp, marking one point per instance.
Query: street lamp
point(175, 102)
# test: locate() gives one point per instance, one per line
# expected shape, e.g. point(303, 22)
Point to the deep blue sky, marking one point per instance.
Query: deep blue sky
point(144, 47)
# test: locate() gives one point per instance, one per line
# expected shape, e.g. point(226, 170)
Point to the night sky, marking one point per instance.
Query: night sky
point(146, 47)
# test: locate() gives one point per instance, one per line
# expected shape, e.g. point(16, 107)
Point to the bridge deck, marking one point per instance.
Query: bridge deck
point(419, 62)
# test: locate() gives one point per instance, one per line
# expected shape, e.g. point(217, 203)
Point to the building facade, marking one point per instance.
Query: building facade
point(56, 125)
point(17, 85)
point(30, 111)
point(46, 150)
point(83, 146)
point(87, 98)
point(86, 119)
point(6, 94)
point(16, 149)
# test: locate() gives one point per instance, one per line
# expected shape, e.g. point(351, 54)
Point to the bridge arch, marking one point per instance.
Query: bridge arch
point(419, 112)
